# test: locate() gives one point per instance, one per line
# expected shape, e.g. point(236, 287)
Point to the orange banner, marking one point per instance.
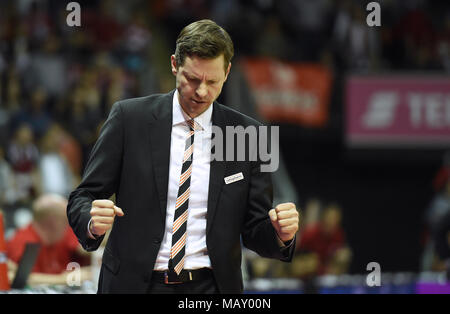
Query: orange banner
point(289, 92)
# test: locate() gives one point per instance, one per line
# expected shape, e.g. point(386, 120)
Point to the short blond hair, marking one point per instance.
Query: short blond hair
point(47, 204)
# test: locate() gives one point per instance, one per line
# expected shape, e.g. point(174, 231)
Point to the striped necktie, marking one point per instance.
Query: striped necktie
point(177, 252)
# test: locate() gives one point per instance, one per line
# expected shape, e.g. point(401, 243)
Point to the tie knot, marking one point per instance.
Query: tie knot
point(194, 126)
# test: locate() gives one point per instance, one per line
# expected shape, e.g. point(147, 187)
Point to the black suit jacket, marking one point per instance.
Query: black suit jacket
point(131, 159)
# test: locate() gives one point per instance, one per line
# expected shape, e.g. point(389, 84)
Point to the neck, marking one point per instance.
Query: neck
point(40, 230)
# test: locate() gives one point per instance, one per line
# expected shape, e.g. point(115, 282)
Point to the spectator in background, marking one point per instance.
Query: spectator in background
point(326, 240)
point(414, 38)
point(306, 21)
point(305, 264)
point(37, 18)
point(7, 181)
point(4, 122)
point(356, 44)
point(116, 89)
point(55, 175)
point(320, 250)
point(12, 93)
point(137, 38)
point(443, 44)
point(435, 213)
point(442, 242)
point(91, 97)
point(36, 115)
point(59, 246)
point(272, 42)
point(9, 90)
point(48, 68)
point(80, 125)
point(23, 156)
point(312, 212)
point(69, 148)
point(104, 27)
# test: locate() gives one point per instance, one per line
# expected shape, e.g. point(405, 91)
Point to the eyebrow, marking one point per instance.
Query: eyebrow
point(195, 77)
point(190, 75)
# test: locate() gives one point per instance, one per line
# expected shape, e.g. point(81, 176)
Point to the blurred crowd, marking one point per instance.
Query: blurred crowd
point(58, 83)
point(321, 248)
point(436, 235)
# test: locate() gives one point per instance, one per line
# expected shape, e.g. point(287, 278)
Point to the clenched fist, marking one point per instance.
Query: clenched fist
point(285, 220)
point(103, 213)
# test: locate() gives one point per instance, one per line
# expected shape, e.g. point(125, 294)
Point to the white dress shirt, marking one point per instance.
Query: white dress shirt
point(196, 255)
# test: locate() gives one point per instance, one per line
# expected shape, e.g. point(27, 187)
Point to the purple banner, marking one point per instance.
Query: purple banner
point(398, 111)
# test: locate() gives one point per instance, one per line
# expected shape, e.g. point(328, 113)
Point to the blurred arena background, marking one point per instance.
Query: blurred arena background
point(364, 116)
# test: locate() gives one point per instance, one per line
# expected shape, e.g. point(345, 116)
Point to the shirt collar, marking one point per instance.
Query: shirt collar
point(179, 116)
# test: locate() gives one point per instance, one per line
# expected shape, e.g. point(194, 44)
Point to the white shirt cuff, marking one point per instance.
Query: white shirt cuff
point(89, 231)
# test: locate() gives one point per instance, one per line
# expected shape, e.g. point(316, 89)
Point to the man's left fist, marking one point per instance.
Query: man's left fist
point(285, 220)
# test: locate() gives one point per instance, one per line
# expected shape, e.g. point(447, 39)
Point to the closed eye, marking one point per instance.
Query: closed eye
point(192, 79)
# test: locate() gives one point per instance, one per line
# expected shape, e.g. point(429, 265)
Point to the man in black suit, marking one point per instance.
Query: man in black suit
point(182, 214)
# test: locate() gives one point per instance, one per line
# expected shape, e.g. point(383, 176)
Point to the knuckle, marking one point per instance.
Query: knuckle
point(106, 221)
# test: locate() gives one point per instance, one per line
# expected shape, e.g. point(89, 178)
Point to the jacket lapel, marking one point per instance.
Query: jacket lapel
point(160, 129)
point(217, 170)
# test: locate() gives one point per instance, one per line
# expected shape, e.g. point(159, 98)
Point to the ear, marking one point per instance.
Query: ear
point(173, 63)
point(228, 71)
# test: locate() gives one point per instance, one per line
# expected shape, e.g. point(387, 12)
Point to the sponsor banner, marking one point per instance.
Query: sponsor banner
point(289, 92)
point(398, 111)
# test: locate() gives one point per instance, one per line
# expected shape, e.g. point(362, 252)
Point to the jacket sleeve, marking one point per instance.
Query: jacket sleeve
point(100, 179)
point(258, 233)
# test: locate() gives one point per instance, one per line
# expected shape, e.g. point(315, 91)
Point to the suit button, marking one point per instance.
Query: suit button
point(156, 240)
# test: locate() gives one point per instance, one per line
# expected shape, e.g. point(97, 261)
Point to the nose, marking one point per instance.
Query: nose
point(201, 91)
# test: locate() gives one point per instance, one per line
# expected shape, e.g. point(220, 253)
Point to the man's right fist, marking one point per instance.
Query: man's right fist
point(103, 213)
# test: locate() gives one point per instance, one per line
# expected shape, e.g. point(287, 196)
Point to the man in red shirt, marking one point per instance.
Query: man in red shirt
point(326, 240)
point(59, 246)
